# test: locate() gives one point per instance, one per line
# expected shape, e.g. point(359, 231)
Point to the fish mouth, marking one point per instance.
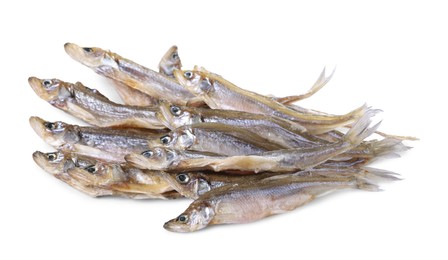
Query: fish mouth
point(163, 115)
point(179, 75)
point(173, 227)
point(38, 87)
point(38, 125)
point(41, 160)
point(86, 56)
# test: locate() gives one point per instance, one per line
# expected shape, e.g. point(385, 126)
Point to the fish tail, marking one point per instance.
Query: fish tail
point(361, 130)
point(389, 147)
point(380, 174)
point(365, 184)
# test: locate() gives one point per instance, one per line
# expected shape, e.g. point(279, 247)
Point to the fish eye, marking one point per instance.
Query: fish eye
point(182, 178)
point(182, 218)
point(51, 156)
point(87, 49)
point(175, 56)
point(148, 153)
point(47, 83)
point(188, 74)
point(165, 139)
point(91, 168)
point(175, 110)
point(49, 125)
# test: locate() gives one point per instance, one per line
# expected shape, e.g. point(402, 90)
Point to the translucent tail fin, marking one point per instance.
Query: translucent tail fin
point(365, 184)
point(361, 130)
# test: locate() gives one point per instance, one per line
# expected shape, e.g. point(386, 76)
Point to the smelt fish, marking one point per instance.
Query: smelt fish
point(91, 106)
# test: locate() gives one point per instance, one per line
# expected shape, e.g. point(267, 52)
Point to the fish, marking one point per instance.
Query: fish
point(195, 184)
point(91, 106)
point(219, 93)
point(117, 178)
point(277, 130)
point(97, 179)
point(215, 138)
point(112, 65)
point(286, 160)
point(254, 201)
point(169, 62)
point(57, 164)
point(106, 144)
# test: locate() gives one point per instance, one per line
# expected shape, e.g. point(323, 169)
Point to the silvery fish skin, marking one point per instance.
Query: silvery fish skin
point(219, 93)
point(96, 178)
point(113, 66)
point(170, 62)
point(106, 144)
point(195, 184)
point(215, 138)
point(277, 130)
point(273, 161)
point(91, 106)
point(118, 178)
point(254, 201)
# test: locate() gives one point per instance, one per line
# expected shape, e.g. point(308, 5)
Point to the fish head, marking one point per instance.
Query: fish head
point(92, 57)
point(181, 138)
point(55, 91)
point(157, 158)
point(54, 133)
point(173, 116)
point(196, 217)
point(55, 163)
point(189, 184)
point(195, 81)
point(170, 61)
point(97, 174)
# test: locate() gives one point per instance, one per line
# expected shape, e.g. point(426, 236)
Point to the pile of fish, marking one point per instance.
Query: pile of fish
point(239, 155)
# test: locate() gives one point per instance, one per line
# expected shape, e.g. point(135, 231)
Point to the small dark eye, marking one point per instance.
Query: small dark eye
point(91, 168)
point(188, 74)
point(165, 139)
point(182, 178)
point(182, 218)
point(175, 110)
point(87, 49)
point(46, 83)
point(52, 156)
point(148, 153)
point(49, 125)
point(175, 56)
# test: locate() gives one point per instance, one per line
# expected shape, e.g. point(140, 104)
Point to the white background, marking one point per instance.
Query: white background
point(390, 54)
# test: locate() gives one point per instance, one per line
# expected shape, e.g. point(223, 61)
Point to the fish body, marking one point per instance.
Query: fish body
point(219, 93)
point(286, 160)
point(106, 144)
point(91, 106)
point(114, 66)
point(215, 138)
point(195, 184)
point(254, 201)
point(96, 178)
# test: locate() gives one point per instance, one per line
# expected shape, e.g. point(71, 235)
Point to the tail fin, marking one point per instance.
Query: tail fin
point(379, 174)
point(389, 147)
point(320, 83)
point(360, 130)
point(365, 184)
